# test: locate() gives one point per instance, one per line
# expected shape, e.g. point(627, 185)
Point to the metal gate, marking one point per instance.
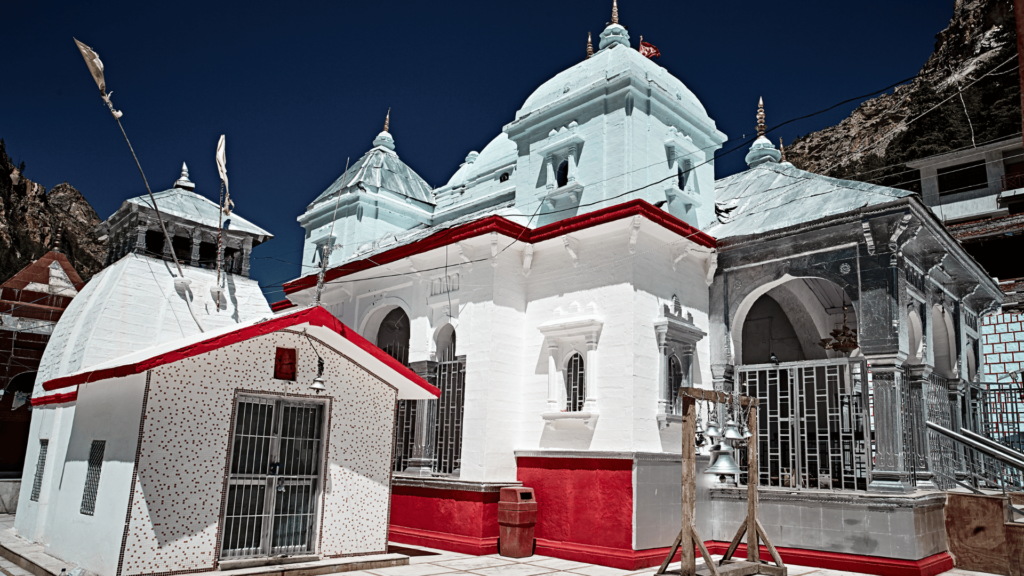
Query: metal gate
point(1003, 415)
point(811, 423)
point(274, 478)
point(451, 379)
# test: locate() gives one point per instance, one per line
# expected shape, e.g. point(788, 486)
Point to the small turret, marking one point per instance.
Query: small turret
point(762, 150)
point(384, 138)
point(615, 33)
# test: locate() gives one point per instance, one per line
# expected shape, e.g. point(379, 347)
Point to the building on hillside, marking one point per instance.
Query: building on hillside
point(31, 303)
point(989, 223)
point(135, 303)
point(266, 438)
point(570, 277)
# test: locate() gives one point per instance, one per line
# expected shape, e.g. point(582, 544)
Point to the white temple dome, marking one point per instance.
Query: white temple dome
point(611, 62)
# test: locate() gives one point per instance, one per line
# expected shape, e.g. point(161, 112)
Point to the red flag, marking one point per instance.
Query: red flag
point(648, 49)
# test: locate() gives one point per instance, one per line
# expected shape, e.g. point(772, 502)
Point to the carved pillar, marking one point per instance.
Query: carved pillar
point(590, 374)
point(140, 236)
point(421, 462)
point(889, 472)
point(663, 350)
point(168, 252)
point(549, 167)
point(918, 382)
point(197, 237)
point(956, 398)
point(246, 249)
point(553, 378)
point(572, 163)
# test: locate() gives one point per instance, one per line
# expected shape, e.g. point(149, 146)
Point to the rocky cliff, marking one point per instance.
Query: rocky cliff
point(927, 116)
point(32, 221)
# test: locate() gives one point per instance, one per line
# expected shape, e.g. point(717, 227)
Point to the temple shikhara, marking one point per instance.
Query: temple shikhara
point(554, 317)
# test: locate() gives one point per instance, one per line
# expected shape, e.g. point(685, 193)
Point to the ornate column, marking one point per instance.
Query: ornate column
point(553, 380)
point(572, 163)
point(421, 461)
point(140, 236)
point(888, 473)
point(246, 249)
point(197, 237)
point(663, 350)
point(918, 383)
point(590, 373)
point(549, 167)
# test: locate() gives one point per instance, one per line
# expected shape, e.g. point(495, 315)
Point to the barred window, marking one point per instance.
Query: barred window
point(37, 482)
point(675, 381)
point(92, 476)
point(575, 384)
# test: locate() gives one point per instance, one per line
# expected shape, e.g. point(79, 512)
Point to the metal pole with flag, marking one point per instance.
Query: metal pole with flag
point(225, 202)
point(92, 60)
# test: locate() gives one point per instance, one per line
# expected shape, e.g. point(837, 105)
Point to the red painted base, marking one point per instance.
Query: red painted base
point(442, 541)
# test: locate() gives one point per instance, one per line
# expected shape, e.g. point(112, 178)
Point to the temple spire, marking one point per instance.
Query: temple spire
point(590, 46)
point(387, 120)
point(615, 11)
point(183, 182)
point(760, 116)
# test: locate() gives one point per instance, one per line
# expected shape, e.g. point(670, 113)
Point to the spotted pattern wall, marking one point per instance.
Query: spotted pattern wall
point(175, 512)
point(1002, 344)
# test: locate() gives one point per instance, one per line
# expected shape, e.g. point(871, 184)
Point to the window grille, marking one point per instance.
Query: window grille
point(451, 379)
point(37, 482)
point(274, 478)
point(575, 384)
point(405, 432)
point(92, 476)
point(811, 424)
point(1003, 415)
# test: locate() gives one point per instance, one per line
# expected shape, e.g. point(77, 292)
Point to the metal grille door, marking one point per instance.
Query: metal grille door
point(575, 384)
point(274, 478)
point(811, 430)
point(451, 379)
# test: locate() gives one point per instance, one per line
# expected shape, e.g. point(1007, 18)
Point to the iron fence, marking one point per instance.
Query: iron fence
point(451, 379)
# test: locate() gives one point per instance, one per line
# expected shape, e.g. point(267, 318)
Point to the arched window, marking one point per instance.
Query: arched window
point(675, 381)
point(575, 384)
point(503, 177)
point(393, 335)
point(562, 175)
point(682, 179)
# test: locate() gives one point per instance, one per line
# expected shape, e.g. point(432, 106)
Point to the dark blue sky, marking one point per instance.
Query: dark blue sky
point(299, 86)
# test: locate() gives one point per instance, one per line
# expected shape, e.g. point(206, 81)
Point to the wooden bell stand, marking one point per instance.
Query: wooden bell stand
point(688, 536)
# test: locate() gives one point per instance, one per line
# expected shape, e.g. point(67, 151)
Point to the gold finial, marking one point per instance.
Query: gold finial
point(615, 11)
point(387, 120)
point(590, 46)
point(782, 149)
point(760, 116)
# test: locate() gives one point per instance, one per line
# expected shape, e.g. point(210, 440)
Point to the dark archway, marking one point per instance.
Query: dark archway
point(393, 335)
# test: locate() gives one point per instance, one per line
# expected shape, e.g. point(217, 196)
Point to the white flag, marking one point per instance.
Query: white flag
point(222, 168)
point(92, 60)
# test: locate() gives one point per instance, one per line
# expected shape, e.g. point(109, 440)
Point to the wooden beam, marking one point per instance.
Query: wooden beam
point(735, 541)
point(768, 544)
point(716, 396)
point(708, 562)
point(688, 566)
point(671, 554)
point(753, 548)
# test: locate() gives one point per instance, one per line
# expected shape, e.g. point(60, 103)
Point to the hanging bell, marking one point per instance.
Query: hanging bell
point(731, 431)
point(746, 432)
point(318, 384)
point(700, 426)
point(724, 465)
point(712, 430)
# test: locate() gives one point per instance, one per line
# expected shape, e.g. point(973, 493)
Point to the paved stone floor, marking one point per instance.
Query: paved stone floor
point(452, 564)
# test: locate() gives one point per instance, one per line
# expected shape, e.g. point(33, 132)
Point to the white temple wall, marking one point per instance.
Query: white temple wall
point(109, 410)
point(52, 423)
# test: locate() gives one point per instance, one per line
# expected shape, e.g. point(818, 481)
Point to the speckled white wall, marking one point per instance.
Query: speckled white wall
point(175, 512)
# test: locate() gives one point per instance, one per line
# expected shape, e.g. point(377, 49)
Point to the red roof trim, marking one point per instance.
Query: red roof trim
point(281, 305)
point(508, 228)
point(55, 399)
point(314, 316)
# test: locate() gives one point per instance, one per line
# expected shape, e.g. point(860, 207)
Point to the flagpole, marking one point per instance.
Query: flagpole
point(220, 228)
point(167, 237)
point(330, 236)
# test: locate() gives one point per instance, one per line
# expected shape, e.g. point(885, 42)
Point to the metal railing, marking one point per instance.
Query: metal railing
point(989, 464)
